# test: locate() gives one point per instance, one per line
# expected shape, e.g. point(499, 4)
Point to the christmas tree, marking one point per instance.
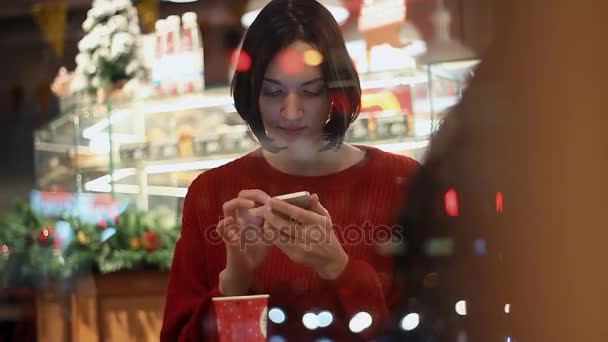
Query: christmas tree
point(109, 50)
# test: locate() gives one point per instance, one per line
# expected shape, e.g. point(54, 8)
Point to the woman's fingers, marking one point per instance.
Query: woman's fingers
point(246, 199)
point(229, 208)
point(227, 230)
point(255, 195)
point(259, 211)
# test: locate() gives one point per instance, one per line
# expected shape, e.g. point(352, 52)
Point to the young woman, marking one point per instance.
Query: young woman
point(299, 98)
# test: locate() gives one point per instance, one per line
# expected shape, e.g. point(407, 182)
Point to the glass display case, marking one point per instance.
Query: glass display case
point(150, 150)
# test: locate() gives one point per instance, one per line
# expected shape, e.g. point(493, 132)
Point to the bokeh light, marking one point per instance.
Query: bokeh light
point(240, 60)
point(451, 202)
point(360, 322)
point(313, 57)
point(410, 321)
point(4, 249)
point(507, 308)
point(325, 319)
point(276, 315)
point(291, 62)
point(310, 321)
point(461, 308)
point(499, 202)
point(481, 247)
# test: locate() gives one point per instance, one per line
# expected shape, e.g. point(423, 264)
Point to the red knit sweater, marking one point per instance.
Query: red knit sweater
point(362, 200)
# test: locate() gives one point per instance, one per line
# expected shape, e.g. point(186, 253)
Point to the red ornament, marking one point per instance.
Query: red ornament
point(151, 241)
point(4, 249)
point(45, 234)
point(102, 224)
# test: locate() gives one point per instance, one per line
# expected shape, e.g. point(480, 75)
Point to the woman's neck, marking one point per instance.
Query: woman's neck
point(305, 162)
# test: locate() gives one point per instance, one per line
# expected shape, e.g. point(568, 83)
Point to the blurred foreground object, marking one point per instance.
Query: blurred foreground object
point(526, 156)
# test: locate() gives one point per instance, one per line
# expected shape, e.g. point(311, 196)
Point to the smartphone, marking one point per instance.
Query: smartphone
point(299, 199)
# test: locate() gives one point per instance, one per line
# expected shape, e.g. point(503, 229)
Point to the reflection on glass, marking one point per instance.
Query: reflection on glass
point(410, 321)
point(360, 322)
point(325, 319)
point(276, 315)
point(480, 247)
point(310, 321)
point(277, 338)
point(461, 308)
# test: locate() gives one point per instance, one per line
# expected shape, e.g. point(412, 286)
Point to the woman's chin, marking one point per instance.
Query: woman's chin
point(300, 146)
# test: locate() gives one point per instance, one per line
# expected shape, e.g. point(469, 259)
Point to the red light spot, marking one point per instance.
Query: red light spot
point(103, 224)
point(451, 202)
point(340, 102)
point(499, 202)
point(4, 249)
point(240, 60)
point(291, 62)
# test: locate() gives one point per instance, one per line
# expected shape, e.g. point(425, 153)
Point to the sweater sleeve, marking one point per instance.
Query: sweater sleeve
point(188, 312)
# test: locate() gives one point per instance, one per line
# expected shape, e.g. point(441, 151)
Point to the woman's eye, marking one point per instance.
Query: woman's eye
point(271, 93)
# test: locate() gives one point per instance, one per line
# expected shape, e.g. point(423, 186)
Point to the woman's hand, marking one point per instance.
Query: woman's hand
point(246, 251)
point(306, 236)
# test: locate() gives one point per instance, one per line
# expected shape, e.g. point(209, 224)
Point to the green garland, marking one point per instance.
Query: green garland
point(31, 251)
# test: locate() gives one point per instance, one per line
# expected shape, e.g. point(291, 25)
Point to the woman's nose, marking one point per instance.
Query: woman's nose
point(292, 109)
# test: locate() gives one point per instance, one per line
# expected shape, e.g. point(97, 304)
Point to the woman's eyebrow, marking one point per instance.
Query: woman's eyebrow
point(272, 81)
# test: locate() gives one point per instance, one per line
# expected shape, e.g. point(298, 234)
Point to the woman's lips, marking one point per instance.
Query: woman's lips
point(292, 131)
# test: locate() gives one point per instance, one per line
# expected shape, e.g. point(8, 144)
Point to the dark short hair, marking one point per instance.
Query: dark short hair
point(277, 26)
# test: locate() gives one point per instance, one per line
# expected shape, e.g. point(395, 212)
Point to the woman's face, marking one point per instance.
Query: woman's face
point(294, 102)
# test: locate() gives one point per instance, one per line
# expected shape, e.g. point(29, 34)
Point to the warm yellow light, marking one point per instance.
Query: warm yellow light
point(313, 58)
point(385, 100)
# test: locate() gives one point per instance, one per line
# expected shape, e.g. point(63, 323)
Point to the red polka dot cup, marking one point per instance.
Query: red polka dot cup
point(241, 318)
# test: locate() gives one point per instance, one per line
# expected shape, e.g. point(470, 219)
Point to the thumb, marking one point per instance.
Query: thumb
point(259, 211)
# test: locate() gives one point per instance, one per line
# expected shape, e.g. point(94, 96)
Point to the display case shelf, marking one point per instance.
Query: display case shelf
point(151, 149)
